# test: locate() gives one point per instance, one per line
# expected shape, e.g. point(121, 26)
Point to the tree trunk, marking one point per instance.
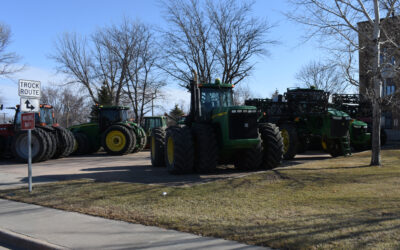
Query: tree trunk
point(376, 133)
point(377, 82)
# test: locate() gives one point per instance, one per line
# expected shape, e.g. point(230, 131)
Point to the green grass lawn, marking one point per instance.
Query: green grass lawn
point(337, 203)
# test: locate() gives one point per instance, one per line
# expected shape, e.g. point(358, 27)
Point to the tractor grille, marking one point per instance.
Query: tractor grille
point(358, 132)
point(243, 126)
point(339, 128)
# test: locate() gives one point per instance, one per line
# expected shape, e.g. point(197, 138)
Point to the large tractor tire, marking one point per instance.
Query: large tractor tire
point(94, 148)
point(51, 147)
point(272, 144)
point(19, 145)
point(332, 146)
point(5, 147)
point(179, 153)
point(62, 141)
point(290, 141)
point(157, 147)
point(66, 142)
point(141, 140)
point(71, 143)
point(206, 148)
point(118, 140)
point(82, 144)
point(303, 145)
point(250, 159)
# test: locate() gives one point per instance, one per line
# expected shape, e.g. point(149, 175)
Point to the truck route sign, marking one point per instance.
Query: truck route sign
point(28, 88)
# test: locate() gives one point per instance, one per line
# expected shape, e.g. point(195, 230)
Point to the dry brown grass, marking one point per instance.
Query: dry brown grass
point(338, 203)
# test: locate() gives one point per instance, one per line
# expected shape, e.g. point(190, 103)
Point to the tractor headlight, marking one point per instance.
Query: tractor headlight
point(233, 111)
point(356, 126)
point(366, 126)
point(336, 118)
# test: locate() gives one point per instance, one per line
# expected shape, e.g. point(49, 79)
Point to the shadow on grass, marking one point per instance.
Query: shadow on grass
point(143, 174)
point(358, 229)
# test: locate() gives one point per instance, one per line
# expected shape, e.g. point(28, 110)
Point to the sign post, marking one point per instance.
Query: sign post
point(29, 91)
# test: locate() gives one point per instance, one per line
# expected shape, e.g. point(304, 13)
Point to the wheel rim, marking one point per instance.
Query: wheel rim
point(324, 144)
point(75, 145)
point(170, 150)
point(115, 140)
point(22, 146)
point(153, 147)
point(286, 140)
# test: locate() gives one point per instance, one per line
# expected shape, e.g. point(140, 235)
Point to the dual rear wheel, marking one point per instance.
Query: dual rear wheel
point(184, 150)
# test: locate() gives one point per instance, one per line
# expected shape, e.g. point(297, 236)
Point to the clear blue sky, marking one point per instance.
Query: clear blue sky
point(36, 24)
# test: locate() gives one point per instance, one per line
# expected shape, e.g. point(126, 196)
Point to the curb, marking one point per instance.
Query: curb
point(26, 242)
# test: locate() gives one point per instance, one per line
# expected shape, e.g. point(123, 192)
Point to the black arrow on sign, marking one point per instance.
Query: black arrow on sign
point(28, 105)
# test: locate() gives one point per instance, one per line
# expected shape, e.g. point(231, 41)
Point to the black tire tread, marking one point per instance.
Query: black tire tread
point(206, 148)
point(42, 144)
point(272, 145)
point(183, 150)
point(250, 159)
point(158, 160)
point(293, 141)
point(82, 141)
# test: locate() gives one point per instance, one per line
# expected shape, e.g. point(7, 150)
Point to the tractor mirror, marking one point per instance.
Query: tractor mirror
point(1, 107)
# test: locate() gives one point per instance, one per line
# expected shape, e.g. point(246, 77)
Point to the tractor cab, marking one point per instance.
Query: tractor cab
point(151, 122)
point(109, 115)
point(43, 118)
point(214, 97)
point(238, 124)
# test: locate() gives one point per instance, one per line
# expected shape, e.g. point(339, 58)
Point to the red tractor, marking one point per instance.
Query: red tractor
point(49, 140)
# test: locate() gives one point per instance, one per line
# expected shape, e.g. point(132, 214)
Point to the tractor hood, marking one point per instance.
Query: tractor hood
point(337, 113)
point(359, 124)
point(222, 111)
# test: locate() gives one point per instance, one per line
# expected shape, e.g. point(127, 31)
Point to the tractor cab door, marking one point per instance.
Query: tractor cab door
point(108, 117)
point(212, 98)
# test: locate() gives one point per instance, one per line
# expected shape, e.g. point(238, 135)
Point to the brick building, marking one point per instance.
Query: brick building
point(390, 61)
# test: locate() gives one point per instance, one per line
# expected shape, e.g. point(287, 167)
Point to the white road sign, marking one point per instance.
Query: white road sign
point(30, 105)
point(28, 88)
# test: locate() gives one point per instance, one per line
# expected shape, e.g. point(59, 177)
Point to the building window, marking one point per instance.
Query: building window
point(388, 87)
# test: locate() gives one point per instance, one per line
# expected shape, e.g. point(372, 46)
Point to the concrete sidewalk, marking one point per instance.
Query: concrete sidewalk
point(52, 229)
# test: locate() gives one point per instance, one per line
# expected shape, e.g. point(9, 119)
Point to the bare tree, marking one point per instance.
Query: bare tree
point(69, 108)
point(143, 79)
point(213, 38)
point(325, 76)
point(241, 93)
point(119, 59)
point(74, 59)
point(8, 60)
point(338, 23)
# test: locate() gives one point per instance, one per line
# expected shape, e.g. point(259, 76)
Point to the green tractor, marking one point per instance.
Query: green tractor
point(151, 122)
point(216, 132)
point(304, 117)
point(111, 129)
point(359, 108)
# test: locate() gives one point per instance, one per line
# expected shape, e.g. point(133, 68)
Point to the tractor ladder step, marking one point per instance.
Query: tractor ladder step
point(345, 143)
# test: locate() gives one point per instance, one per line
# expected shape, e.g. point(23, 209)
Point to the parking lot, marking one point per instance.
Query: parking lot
point(134, 168)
